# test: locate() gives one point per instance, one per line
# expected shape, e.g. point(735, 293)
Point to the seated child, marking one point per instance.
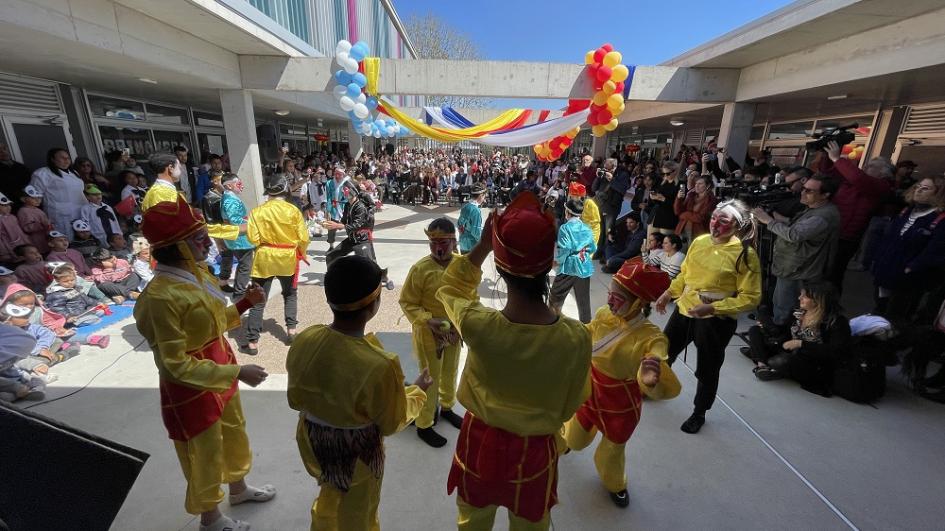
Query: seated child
point(316, 219)
point(33, 220)
point(141, 250)
point(32, 270)
point(11, 235)
point(15, 383)
point(119, 247)
point(62, 253)
point(67, 297)
point(16, 309)
point(84, 242)
point(100, 216)
point(114, 276)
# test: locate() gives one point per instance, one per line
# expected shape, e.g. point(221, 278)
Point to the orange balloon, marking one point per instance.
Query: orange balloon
point(600, 98)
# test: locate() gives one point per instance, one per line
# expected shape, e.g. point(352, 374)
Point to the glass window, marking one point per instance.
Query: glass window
point(292, 129)
point(211, 143)
point(207, 119)
point(106, 107)
point(787, 156)
point(711, 135)
point(168, 140)
point(790, 131)
point(167, 115)
point(757, 132)
point(136, 141)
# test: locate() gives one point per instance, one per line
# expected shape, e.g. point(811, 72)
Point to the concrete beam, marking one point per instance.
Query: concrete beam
point(638, 111)
point(491, 79)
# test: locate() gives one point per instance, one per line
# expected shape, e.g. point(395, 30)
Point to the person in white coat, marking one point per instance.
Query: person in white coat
point(100, 216)
point(61, 190)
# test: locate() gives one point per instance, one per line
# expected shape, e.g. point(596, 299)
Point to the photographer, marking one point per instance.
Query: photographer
point(608, 189)
point(794, 179)
point(805, 243)
point(859, 194)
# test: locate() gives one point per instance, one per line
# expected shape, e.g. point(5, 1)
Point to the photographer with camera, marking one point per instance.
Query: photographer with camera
point(804, 244)
point(608, 189)
point(859, 194)
point(794, 179)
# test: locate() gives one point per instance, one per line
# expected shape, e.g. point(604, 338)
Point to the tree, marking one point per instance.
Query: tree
point(433, 38)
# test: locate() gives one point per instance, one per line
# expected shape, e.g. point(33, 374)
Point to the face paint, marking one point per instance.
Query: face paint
point(617, 302)
point(442, 248)
point(721, 225)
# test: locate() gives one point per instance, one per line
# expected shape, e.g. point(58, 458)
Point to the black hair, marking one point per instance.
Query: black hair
point(214, 156)
point(658, 235)
point(674, 239)
point(161, 161)
point(827, 297)
point(20, 250)
point(100, 255)
point(350, 279)
point(168, 255)
point(635, 216)
point(180, 149)
point(442, 224)
point(50, 156)
point(533, 287)
point(805, 172)
point(828, 183)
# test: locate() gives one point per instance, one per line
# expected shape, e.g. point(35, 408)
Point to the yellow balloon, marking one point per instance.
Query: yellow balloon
point(612, 125)
point(609, 87)
point(619, 110)
point(570, 134)
point(589, 58)
point(598, 130)
point(612, 59)
point(620, 73)
point(614, 101)
point(600, 98)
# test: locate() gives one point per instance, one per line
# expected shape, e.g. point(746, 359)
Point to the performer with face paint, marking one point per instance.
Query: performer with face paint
point(436, 342)
point(628, 360)
point(720, 278)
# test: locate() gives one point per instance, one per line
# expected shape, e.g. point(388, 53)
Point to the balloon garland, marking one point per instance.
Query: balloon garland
point(352, 96)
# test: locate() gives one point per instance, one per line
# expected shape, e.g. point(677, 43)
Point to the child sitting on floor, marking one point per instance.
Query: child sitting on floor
point(114, 276)
point(141, 250)
point(61, 252)
point(11, 235)
point(119, 247)
point(17, 308)
point(33, 220)
point(32, 270)
point(67, 297)
point(15, 383)
point(84, 242)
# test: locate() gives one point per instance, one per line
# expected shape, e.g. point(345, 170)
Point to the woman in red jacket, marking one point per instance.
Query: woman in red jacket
point(695, 208)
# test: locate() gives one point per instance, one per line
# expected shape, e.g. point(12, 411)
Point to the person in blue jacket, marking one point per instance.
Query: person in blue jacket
point(576, 245)
point(470, 219)
point(337, 199)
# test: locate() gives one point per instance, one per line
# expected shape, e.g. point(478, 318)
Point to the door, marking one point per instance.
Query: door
point(31, 137)
point(928, 155)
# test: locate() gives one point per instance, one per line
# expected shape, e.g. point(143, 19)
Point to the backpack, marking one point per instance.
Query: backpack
point(212, 207)
point(861, 377)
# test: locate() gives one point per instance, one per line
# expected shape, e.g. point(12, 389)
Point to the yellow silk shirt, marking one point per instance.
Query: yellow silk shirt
point(276, 222)
point(591, 217)
point(180, 313)
point(159, 193)
point(620, 355)
point(525, 379)
point(350, 382)
point(710, 268)
point(419, 303)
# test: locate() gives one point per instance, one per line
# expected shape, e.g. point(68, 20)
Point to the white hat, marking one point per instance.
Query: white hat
point(5, 272)
point(32, 191)
point(4, 200)
point(56, 234)
point(81, 225)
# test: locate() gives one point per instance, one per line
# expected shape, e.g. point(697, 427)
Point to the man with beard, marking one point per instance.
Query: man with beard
point(435, 340)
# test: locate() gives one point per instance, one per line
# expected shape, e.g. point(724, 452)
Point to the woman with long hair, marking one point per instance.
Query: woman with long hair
point(62, 190)
point(85, 169)
point(720, 278)
point(819, 336)
point(910, 258)
point(694, 208)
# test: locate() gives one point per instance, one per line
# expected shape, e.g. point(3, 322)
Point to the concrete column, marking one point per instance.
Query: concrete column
point(355, 144)
point(599, 147)
point(886, 132)
point(736, 130)
point(240, 124)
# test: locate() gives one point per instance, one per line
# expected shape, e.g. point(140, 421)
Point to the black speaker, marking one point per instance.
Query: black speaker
point(268, 143)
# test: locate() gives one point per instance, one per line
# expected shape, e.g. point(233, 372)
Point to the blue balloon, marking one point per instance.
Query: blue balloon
point(359, 79)
point(353, 90)
point(359, 51)
point(342, 77)
point(371, 103)
point(354, 117)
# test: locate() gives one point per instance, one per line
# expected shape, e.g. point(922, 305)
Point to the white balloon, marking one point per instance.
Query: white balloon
point(346, 103)
point(360, 110)
point(339, 90)
point(343, 46)
point(362, 99)
point(377, 134)
point(341, 57)
point(365, 129)
point(350, 66)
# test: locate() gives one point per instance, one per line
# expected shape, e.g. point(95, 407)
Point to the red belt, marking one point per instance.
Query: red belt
point(188, 411)
point(299, 257)
point(613, 408)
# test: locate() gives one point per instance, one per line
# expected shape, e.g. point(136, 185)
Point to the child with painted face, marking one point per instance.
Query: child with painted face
point(84, 242)
point(33, 220)
point(629, 361)
point(60, 252)
point(720, 278)
point(17, 309)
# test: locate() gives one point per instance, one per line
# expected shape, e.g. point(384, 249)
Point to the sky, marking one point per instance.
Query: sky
point(646, 32)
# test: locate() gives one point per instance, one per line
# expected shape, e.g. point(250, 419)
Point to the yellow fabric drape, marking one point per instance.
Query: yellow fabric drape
point(372, 71)
point(450, 135)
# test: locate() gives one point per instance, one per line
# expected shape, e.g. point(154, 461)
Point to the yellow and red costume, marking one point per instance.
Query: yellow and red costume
point(591, 214)
point(621, 343)
point(520, 384)
point(350, 394)
point(183, 316)
point(163, 191)
point(419, 303)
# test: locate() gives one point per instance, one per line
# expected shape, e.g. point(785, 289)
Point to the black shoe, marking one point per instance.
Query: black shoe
point(431, 437)
point(746, 351)
point(767, 374)
point(227, 288)
point(693, 424)
point(452, 418)
point(621, 499)
point(251, 351)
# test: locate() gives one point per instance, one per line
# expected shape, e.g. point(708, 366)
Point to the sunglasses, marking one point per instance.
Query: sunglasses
point(668, 172)
point(809, 190)
point(923, 188)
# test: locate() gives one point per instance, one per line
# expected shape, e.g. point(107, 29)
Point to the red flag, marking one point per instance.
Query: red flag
point(126, 207)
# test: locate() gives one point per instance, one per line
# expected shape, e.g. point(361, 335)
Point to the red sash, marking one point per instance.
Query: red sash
point(299, 257)
point(614, 407)
point(188, 411)
point(494, 467)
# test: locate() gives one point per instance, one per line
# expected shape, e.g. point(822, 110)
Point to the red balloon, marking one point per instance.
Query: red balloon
point(604, 73)
point(592, 71)
point(620, 87)
point(592, 118)
point(607, 47)
point(604, 117)
point(599, 56)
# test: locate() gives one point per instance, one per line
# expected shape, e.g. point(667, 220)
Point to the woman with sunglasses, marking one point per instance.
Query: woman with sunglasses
point(720, 278)
point(663, 197)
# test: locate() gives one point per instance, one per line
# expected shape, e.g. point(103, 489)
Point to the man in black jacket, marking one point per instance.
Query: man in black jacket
point(358, 223)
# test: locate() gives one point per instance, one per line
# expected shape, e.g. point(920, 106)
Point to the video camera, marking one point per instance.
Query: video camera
point(756, 196)
point(841, 135)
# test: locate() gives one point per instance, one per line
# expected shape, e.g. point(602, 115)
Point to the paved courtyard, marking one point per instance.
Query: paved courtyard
point(771, 455)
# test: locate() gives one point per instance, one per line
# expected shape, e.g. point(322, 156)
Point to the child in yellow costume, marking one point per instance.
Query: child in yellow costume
point(349, 393)
point(435, 341)
point(183, 316)
point(629, 360)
